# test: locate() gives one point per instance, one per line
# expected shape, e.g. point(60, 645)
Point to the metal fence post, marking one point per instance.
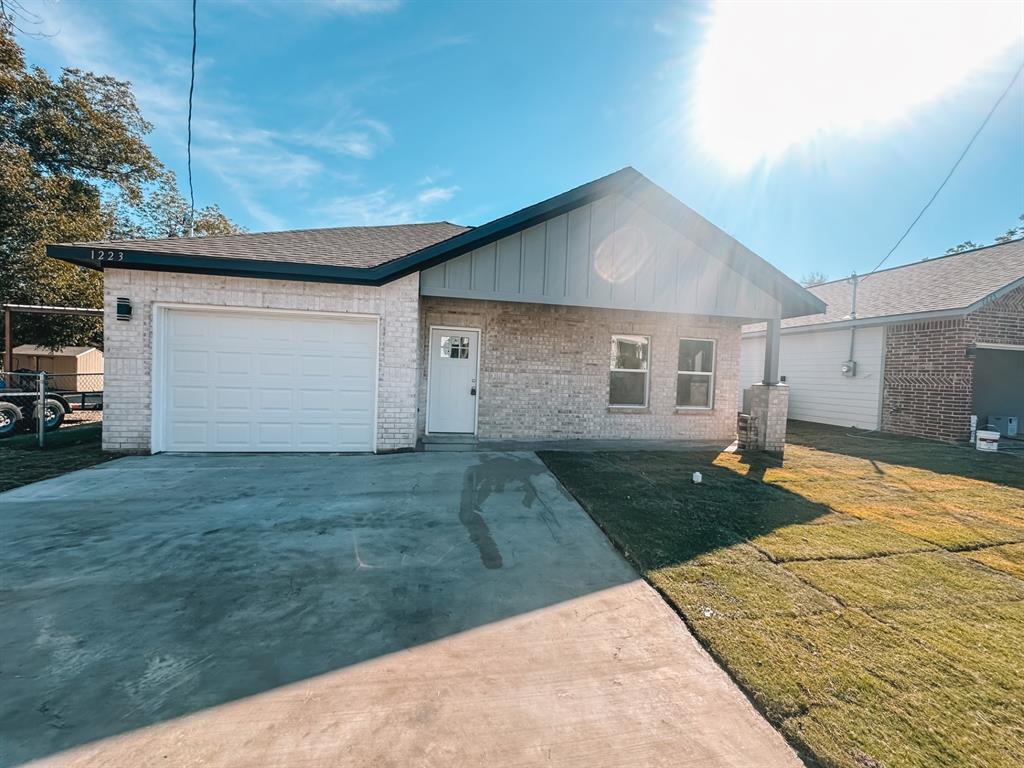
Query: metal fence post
point(41, 410)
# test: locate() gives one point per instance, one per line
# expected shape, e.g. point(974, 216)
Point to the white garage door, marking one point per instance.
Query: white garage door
point(264, 381)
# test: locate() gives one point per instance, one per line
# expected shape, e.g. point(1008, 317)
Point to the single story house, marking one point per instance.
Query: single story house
point(71, 368)
point(608, 311)
point(926, 346)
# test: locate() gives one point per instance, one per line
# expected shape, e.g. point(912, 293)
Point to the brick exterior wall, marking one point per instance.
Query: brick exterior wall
point(928, 387)
point(544, 370)
point(769, 407)
point(128, 346)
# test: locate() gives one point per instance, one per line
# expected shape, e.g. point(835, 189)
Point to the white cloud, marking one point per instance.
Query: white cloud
point(360, 137)
point(360, 7)
point(383, 206)
point(772, 76)
point(437, 195)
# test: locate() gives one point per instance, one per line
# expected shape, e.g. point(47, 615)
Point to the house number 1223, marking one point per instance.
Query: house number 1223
point(101, 255)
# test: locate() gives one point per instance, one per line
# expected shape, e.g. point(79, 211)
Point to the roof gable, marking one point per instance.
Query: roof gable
point(336, 255)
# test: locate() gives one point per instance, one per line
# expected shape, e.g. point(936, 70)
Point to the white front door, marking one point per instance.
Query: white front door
point(452, 384)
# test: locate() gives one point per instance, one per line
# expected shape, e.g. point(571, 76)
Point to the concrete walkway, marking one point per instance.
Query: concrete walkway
point(432, 609)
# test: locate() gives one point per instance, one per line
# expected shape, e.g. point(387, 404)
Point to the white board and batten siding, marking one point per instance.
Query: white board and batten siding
point(818, 391)
point(610, 253)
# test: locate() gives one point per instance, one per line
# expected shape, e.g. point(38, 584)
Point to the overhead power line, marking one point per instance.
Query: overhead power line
point(191, 89)
point(952, 170)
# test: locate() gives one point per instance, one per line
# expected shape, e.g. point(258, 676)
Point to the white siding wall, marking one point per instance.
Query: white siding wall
point(817, 390)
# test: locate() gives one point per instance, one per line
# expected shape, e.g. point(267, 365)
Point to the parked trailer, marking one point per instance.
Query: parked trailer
point(18, 411)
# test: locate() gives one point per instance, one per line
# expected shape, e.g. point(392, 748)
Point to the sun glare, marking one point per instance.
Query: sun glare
point(772, 77)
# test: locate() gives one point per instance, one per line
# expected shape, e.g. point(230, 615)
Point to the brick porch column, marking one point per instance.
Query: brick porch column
point(769, 405)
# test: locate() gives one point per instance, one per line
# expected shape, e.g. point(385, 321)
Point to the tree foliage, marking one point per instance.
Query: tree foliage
point(1013, 233)
point(813, 278)
point(163, 212)
point(74, 166)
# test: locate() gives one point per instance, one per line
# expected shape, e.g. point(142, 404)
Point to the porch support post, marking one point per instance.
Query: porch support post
point(8, 341)
point(771, 352)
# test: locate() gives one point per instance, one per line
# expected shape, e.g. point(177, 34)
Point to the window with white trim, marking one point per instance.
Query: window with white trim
point(630, 363)
point(695, 376)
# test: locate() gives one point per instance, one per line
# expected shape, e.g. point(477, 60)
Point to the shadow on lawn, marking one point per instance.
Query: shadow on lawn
point(930, 455)
point(652, 510)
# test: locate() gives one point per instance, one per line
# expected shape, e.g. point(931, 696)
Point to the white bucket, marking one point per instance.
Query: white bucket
point(987, 441)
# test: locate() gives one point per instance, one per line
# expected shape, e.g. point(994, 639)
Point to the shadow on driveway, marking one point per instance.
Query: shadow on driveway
point(152, 588)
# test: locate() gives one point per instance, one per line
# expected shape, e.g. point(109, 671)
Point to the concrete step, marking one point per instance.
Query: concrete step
point(448, 447)
point(448, 443)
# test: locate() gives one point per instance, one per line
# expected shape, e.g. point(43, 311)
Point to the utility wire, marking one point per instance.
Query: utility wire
point(191, 89)
point(951, 170)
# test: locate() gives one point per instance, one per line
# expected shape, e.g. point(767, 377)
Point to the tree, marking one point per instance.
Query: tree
point(163, 212)
point(1013, 233)
point(74, 165)
point(813, 278)
point(966, 245)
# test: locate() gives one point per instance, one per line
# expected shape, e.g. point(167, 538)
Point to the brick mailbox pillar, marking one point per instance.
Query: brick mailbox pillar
point(769, 406)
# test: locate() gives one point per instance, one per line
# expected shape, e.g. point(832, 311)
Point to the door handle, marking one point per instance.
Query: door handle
point(472, 391)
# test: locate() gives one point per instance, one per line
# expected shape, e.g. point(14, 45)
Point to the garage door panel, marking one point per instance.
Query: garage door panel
point(233, 434)
point(316, 365)
point(189, 435)
point(274, 436)
point(275, 365)
point(189, 397)
point(271, 400)
point(317, 433)
point(233, 362)
point(189, 361)
point(234, 399)
point(268, 382)
point(190, 326)
point(317, 400)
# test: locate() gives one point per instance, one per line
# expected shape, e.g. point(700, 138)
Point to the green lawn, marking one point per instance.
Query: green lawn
point(867, 593)
point(21, 461)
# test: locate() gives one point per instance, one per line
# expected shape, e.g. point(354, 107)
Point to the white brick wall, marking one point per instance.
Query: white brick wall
point(128, 346)
point(544, 370)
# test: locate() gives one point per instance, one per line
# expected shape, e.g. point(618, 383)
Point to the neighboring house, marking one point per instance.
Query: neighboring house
point(609, 311)
point(73, 368)
point(932, 343)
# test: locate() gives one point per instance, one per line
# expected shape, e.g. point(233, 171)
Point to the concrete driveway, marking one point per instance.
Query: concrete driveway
point(408, 610)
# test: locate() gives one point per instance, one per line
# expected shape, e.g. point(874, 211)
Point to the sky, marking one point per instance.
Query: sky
point(813, 133)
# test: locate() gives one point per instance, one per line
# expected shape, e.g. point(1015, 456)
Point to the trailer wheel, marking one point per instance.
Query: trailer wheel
point(10, 418)
point(53, 416)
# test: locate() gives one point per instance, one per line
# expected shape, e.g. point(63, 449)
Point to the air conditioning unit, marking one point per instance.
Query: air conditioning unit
point(1007, 426)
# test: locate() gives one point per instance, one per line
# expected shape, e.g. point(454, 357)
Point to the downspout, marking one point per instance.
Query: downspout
point(853, 314)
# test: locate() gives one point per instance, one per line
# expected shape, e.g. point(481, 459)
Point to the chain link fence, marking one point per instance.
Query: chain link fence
point(43, 402)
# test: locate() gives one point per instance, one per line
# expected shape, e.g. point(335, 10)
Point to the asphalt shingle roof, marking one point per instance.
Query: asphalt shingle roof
point(944, 283)
point(362, 247)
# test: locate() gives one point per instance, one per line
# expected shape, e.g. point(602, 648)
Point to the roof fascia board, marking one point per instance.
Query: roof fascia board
point(912, 317)
point(213, 265)
point(995, 295)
